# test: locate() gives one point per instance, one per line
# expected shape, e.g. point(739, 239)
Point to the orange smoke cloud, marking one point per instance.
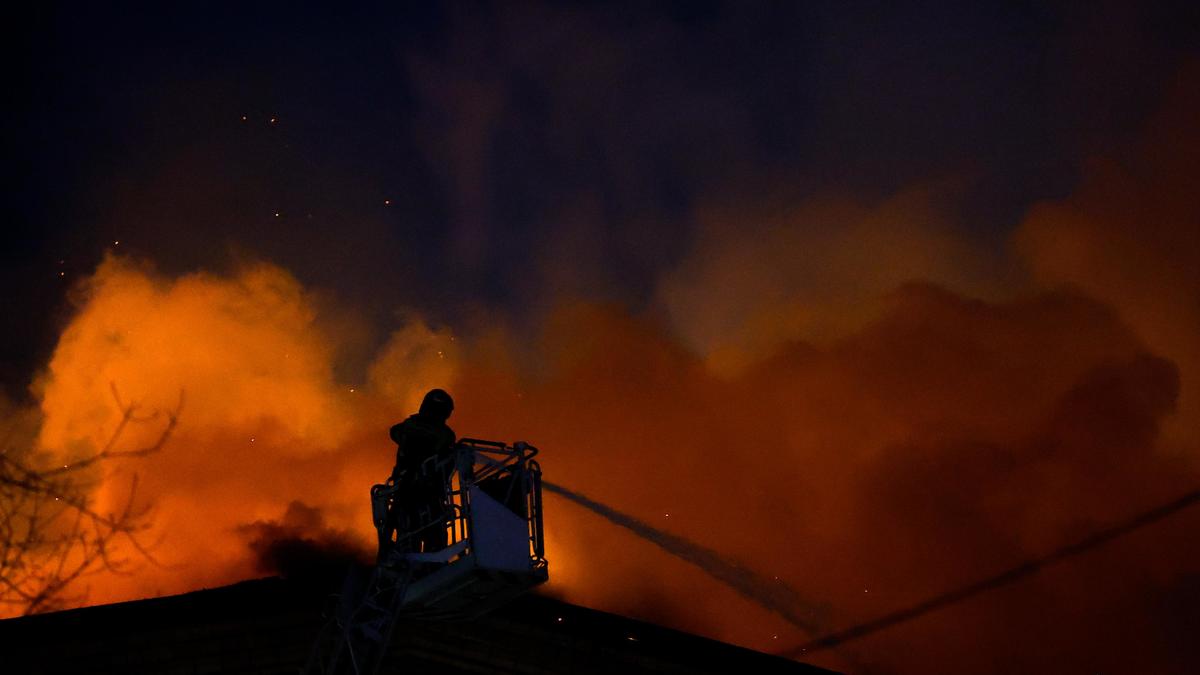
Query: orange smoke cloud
point(1130, 236)
point(153, 338)
point(777, 271)
point(946, 439)
point(263, 422)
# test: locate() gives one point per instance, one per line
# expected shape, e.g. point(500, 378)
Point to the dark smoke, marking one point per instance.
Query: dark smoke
point(300, 545)
point(771, 594)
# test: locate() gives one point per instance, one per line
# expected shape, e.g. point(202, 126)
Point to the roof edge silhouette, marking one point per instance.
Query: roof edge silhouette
point(268, 625)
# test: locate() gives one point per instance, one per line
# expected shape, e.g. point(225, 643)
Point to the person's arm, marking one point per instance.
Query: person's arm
point(397, 436)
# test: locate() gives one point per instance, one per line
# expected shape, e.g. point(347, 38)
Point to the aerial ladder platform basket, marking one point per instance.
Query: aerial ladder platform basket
point(493, 524)
point(491, 515)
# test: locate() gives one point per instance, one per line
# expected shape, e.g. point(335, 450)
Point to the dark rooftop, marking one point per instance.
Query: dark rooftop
point(268, 626)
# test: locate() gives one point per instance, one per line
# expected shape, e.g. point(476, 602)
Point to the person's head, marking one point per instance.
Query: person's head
point(437, 404)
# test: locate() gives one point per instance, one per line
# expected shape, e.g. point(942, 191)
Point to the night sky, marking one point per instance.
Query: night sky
point(423, 156)
point(683, 212)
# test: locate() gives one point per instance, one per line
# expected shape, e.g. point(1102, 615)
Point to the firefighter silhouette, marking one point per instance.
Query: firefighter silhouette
point(423, 441)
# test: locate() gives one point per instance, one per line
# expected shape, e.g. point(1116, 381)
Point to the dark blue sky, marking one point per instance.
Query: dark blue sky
point(420, 159)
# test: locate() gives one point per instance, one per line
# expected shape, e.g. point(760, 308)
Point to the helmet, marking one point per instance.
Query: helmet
point(438, 404)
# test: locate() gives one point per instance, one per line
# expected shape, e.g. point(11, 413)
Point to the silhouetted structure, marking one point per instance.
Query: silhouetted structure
point(266, 626)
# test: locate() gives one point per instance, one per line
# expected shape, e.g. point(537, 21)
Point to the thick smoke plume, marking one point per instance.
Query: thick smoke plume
point(300, 546)
point(266, 424)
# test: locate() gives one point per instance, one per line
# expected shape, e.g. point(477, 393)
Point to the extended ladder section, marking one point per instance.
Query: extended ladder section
point(482, 541)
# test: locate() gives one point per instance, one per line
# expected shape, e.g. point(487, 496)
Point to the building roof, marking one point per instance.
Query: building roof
point(268, 626)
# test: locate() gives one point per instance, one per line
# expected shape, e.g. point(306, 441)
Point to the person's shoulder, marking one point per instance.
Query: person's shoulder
point(398, 429)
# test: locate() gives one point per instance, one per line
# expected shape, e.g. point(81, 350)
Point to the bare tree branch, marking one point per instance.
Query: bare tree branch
point(52, 535)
